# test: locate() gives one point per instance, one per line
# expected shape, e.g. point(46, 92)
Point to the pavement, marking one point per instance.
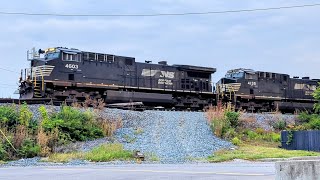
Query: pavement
point(228, 170)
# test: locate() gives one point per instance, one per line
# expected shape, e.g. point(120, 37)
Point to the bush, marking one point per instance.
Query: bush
point(8, 116)
point(275, 137)
point(72, 124)
point(3, 152)
point(29, 149)
point(233, 118)
point(314, 123)
point(236, 141)
point(252, 135)
point(279, 125)
point(230, 133)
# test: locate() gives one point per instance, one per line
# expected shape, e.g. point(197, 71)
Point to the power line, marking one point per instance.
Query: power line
point(159, 14)
point(9, 70)
point(1, 84)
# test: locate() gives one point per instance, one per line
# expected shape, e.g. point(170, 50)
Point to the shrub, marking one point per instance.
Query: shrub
point(8, 116)
point(252, 135)
point(275, 137)
point(29, 149)
point(25, 115)
point(233, 118)
point(3, 152)
point(279, 125)
point(72, 124)
point(236, 141)
point(314, 123)
point(230, 133)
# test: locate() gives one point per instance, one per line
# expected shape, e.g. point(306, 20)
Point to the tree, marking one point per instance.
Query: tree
point(316, 96)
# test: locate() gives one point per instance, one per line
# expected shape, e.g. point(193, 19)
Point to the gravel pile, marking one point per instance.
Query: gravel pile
point(170, 137)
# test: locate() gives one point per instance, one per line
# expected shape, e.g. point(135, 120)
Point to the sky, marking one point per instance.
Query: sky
point(283, 41)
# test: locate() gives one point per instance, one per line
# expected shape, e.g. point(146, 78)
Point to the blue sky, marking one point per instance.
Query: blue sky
point(285, 41)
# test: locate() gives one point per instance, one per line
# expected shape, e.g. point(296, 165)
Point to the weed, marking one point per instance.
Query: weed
point(236, 141)
point(138, 131)
point(108, 152)
point(152, 157)
point(64, 157)
point(129, 139)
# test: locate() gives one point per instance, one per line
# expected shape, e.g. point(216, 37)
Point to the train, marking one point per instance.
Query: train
point(71, 75)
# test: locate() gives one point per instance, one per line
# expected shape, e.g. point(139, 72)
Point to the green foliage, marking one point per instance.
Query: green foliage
point(29, 149)
point(308, 122)
point(108, 152)
point(275, 137)
point(72, 124)
point(8, 115)
point(3, 152)
point(254, 152)
point(230, 133)
point(290, 137)
point(314, 123)
point(316, 95)
point(233, 118)
point(25, 115)
point(236, 141)
point(252, 135)
point(279, 125)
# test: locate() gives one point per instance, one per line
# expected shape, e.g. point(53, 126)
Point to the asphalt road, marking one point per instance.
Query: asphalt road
point(231, 170)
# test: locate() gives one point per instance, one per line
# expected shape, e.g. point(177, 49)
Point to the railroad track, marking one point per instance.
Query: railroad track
point(135, 106)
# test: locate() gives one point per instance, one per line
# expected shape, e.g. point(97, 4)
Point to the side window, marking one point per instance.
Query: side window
point(71, 57)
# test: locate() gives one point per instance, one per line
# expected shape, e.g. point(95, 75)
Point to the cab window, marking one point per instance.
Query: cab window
point(70, 56)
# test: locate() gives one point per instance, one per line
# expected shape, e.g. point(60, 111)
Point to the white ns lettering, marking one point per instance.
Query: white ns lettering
point(167, 74)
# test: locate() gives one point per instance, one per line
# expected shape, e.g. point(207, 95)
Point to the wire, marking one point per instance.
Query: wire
point(9, 70)
point(158, 14)
point(1, 84)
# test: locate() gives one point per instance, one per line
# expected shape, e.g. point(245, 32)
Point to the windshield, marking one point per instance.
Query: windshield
point(235, 75)
point(51, 55)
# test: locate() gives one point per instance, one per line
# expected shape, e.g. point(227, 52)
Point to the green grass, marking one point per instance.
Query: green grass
point(2, 162)
point(103, 153)
point(251, 152)
point(108, 152)
point(152, 157)
point(64, 157)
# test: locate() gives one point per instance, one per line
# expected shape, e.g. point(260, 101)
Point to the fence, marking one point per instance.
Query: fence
point(301, 140)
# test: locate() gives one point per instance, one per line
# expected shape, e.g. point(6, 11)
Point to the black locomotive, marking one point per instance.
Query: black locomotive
point(265, 91)
point(72, 75)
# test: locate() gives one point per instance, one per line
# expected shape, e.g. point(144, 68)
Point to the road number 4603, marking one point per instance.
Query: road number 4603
point(72, 66)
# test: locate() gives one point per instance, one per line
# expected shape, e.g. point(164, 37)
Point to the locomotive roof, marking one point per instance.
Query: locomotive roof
point(195, 68)
point(182, 67)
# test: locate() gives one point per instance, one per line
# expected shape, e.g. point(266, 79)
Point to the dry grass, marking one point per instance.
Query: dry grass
point(20, 134)
point(216, 117)
point(43, 140)
point(109, 126)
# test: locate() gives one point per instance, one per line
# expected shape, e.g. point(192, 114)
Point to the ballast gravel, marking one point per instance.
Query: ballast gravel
point(170, 136)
